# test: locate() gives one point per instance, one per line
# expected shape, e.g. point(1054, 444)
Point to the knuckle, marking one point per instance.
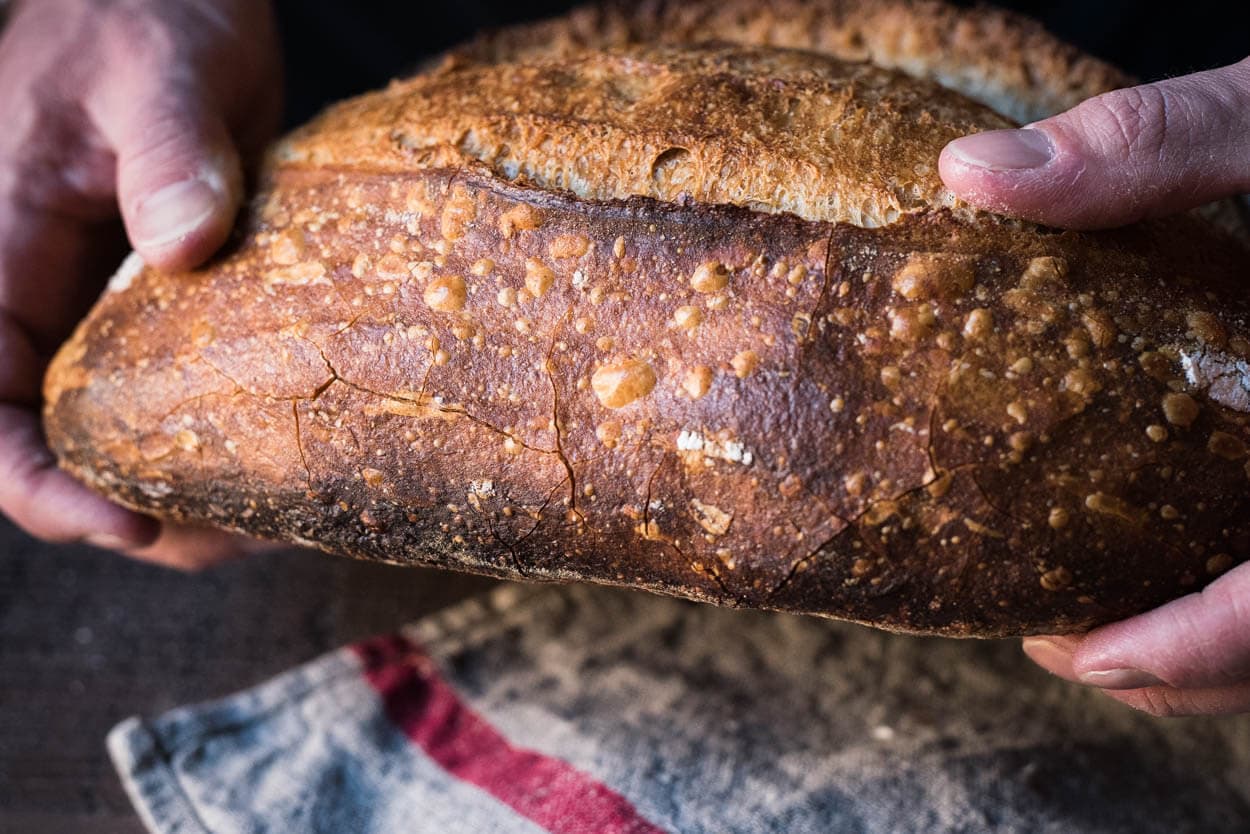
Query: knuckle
point(1133, 122)
point(169, 142)
point(1222, 648)
point(137, 38)
point(1232, 593)
point(161, 135)
point(19, 372)
point(1162, 702)
point(24, 477)
point(1194, 652)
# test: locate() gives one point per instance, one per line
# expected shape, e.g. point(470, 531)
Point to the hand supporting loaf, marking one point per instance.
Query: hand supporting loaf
point(1140, 152)
point(106, 107)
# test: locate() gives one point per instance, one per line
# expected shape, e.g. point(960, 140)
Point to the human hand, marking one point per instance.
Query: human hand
point(1141, 152)
point(1189, 657)
point(1128, 155)
point(141, 107)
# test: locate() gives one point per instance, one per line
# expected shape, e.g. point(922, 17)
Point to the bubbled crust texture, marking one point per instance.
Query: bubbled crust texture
point(1004, 60)
point(949, 424)
point(764, 129)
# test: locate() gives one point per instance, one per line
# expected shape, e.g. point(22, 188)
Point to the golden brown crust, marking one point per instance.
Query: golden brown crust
point(938, 426)
point(765, 129)
point(1004, 60)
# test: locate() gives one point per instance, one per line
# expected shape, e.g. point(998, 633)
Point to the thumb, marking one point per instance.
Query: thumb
point(179, 180)
point(1123, 156)
point(1198, 641)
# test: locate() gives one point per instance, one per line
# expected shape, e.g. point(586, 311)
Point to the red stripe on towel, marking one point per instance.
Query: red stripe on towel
point(548, 791)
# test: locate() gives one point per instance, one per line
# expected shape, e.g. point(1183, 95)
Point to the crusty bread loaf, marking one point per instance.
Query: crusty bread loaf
point(701, 320)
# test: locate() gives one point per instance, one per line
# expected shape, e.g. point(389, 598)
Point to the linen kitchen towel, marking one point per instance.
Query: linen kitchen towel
point(583, 710)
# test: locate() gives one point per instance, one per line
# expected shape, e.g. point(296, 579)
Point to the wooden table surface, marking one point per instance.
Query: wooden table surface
point(88, 638)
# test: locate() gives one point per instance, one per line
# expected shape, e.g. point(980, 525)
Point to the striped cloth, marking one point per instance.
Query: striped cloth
point(587, 710)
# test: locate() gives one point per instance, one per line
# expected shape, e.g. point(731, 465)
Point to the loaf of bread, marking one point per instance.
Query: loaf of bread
point(699, 319)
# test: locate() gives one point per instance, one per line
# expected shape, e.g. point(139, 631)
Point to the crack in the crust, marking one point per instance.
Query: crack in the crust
point(646, 504)
point(931, 442)
point(798, 564)
point(829, 278)
point(441, 408)
point(425, 382)
point(538, 515)
point(511, 546)
point(699, 568)
point(299, 444)
point(137, 438)
point(812, 317)
point(855, 520)
point(196, 399)
point(555, 416)
point(828, 282)
point(930, 452)
point(321, 389)
point(418, 400)
point(985, 496)
point(335, 376)
point(317, 392)
point(704, 570)
point(338, 290)
point(348, 326)
point(709, 570)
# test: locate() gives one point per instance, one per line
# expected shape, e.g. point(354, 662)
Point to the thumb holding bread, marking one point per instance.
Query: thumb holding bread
point(1127, 155)
point(1123, 156)
point(140, 109)
point(1189, 657)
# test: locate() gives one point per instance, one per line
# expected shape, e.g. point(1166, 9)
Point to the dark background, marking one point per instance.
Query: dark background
point(88, 638)
point(332, 54)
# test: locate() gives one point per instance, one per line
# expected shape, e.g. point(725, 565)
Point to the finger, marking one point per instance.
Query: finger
point(178, 177)
point(49, 504)
point(194, 548)
point(39, 497)
point(1054, 654)
point(53, 262)
point(20, 370)
point(48, 245)
point(1142, 152)
point(1198, 641)
point(1168, 702)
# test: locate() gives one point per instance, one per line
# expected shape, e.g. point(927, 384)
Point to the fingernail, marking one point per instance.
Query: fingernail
point(1122, 678)
point(1004, 150)
point(108, 541)
point(173, 212)
point(1047, 654)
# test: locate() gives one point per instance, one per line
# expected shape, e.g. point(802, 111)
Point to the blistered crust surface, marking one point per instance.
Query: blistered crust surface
point(1003, 60)
point(939, 426)
point(769, 130)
